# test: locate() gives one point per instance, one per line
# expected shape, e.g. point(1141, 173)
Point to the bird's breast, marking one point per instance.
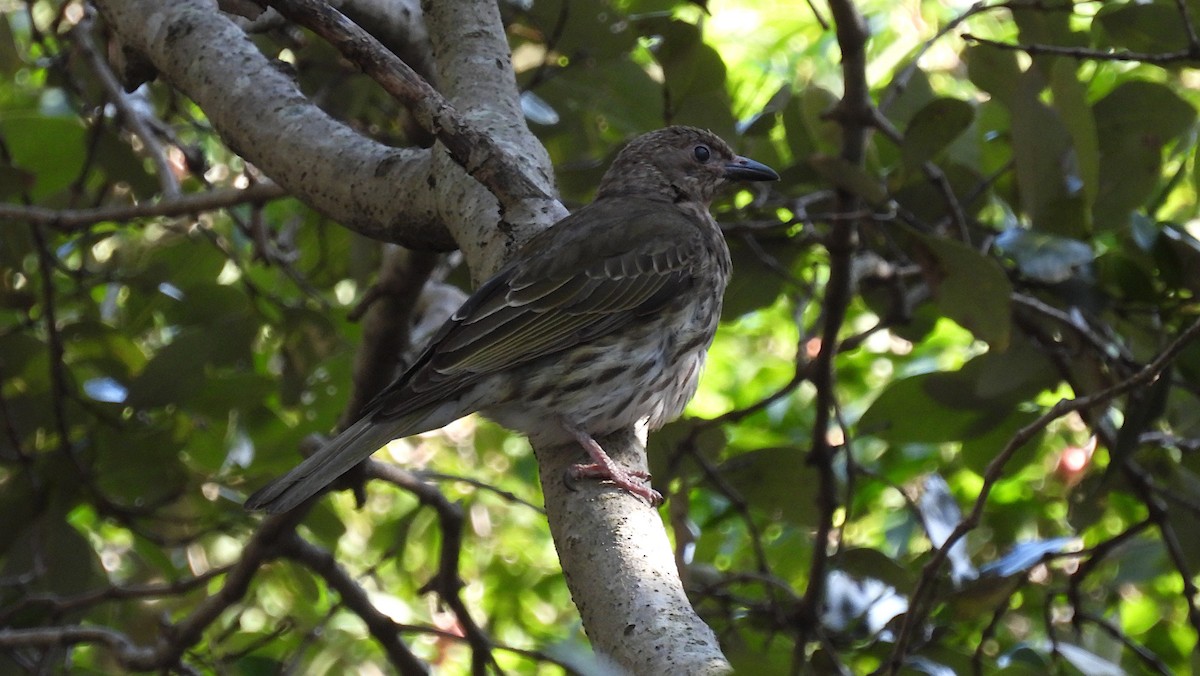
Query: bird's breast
point(647, 370)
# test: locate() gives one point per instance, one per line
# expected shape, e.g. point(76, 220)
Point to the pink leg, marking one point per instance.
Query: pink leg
point(605, 468)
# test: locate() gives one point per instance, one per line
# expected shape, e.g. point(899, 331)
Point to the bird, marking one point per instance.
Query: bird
point(599, 323)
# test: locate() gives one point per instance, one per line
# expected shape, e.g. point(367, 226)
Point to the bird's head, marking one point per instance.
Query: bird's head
point(681, 164)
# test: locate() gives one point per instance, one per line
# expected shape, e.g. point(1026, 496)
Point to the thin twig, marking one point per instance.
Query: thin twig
point(130, 116)
point(1163, 58)
point(385, 631)
point(71, 220)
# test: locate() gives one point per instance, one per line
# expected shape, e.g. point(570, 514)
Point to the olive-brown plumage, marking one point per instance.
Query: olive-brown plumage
point(600, 323)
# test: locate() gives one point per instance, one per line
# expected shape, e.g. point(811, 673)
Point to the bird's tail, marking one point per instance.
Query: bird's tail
point(353, 445)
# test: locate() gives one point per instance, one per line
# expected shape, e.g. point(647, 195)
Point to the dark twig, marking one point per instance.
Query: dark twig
point(446, 583)
point(1161, 517)
point(854, 114)
point(385, 631)
point(1147, 656)
point(1092, 560)
point(59, 375)
point(1189, 28)
point(57, 605)
point(1189, 54)
point(70, 220)
point(82, 34)
point(175, 639)
point(935, 175)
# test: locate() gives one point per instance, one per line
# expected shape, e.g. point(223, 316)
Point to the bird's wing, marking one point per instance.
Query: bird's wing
point(591, 274)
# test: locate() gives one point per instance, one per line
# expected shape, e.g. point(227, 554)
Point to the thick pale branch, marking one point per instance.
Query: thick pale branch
point(476, 76)
point(613, 547)
point(377, 190)
point(471, 149)
point(621, 570)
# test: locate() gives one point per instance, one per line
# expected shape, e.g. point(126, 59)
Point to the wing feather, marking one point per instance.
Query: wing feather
point(630, 262)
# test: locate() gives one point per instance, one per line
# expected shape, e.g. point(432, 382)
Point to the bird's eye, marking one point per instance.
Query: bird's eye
point(702, 153)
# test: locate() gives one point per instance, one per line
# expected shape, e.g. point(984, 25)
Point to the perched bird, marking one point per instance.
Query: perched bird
point(601, 322)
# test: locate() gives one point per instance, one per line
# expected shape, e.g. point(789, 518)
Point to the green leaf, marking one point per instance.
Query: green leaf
point(968, 287)
point(1049, 174)
point(14, 181)
point(970, 403)
point(10, 58)
point(107, 351)
point(994, 70)
point(762, 122)
point(27, 138)
point(757, 283)
point(934, 127)
point(979, 449)
point(1138, 27)
point(1131, 278)
point(693, 75)
point(176, 374)
point(205, 303)
point(1040, 26)
point(63, 558)
point(805, 122)
point(180, 262)
point(927, 202)
point(122, 164)
point(1071, 103)
point(776, 478)
point(917, 93)
point(1144, 106)
point(1177, 258)
point(1044, 258)
point(851, 178)
point(583, 31)
point(126, 460)
point(1133, 123)
point(862, 563)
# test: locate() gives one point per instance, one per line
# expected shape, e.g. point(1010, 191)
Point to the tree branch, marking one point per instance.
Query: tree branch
point(385, 631)
point(1192, 53)
point(854, 114)
point(72, 220)
point(378, 191)
point(130, 116)
point(471, 149)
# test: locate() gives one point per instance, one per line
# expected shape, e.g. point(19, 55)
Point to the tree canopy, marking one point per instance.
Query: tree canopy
point(950, 423)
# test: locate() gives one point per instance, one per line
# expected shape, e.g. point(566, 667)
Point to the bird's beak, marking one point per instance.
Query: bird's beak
point(746, 169)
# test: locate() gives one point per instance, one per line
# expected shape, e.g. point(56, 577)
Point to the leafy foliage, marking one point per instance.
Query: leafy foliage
point(1017, 465)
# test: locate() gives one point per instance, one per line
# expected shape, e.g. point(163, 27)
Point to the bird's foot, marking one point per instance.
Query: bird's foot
point(604, 468)
point(631, 481)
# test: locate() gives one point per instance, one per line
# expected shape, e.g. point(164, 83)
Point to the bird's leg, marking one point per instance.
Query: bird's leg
point(605, 468)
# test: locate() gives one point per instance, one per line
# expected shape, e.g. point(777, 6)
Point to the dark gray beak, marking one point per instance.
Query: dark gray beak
point(746, 169)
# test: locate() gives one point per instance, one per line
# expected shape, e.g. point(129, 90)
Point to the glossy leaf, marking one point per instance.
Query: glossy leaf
point(969, 288)
point(934, 127)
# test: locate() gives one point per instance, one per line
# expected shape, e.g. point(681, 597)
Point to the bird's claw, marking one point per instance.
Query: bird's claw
point(635, 482)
